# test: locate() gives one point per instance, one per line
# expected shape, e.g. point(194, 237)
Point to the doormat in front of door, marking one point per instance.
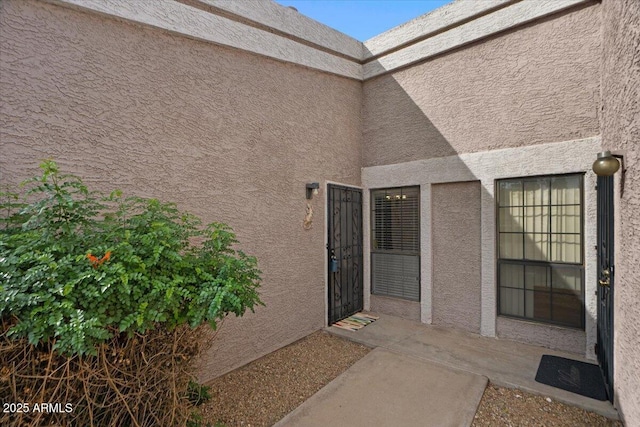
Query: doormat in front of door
point(572, 375)
point(356, 321)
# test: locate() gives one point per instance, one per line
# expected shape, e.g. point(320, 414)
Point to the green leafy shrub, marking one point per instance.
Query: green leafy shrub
point(104, 302)
point(198, 393)
point(197, 421)
point(79, 268)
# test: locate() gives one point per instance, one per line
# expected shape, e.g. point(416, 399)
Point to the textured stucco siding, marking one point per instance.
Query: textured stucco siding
point(540, 159)
point(557, 338)
point(621, 132)
point(515, 15)
point(456, 234)
point(288, 21)
point(437, 20)
point(228, 135)
point(396, 307)
point(183, 19)
point(531, 85)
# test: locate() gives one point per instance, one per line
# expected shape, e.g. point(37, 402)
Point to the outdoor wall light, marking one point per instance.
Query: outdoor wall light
point(606, 164)
point(312, 188)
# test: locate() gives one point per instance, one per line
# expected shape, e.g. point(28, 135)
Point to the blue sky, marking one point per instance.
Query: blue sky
point(363, 19)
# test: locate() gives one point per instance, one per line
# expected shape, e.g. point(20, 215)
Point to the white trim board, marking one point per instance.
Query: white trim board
point(486, 167)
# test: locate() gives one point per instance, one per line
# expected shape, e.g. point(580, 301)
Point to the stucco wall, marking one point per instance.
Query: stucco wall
point(540, 159)
point(534, 84)
point(456, 235)
point(228, 135)
point(558, 338)
point(621, 131)
point(395, 307)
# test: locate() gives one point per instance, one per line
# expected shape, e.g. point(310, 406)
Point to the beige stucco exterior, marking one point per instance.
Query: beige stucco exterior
point(228, 135)
point(230, 110)
point(456, 239)
point(621, 132)
point(534, 86)
point(539, 159)
point(528, 86)
point(556, 337)
point(396, 307)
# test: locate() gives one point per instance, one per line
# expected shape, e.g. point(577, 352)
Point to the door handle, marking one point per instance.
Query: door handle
point(606, 281)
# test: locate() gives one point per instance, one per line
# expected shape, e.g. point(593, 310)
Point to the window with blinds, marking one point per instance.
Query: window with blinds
point(540, 249)
point(395, 242)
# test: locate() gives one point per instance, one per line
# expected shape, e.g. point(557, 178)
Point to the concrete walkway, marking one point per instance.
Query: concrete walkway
point(386, 388)
point(427, 375)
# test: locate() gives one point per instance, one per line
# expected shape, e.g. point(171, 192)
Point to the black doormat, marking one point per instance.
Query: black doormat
point(572, 375)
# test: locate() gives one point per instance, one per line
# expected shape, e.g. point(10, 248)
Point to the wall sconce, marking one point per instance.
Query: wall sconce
point(606, 164)
point(312, 188)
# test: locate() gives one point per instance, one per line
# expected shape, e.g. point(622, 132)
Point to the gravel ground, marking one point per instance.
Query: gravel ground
point(509, 407)
point(264, 391)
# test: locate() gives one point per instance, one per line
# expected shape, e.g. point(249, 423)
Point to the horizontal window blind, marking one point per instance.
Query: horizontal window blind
point(395, 243)
point(396, 220)
point(396, 275)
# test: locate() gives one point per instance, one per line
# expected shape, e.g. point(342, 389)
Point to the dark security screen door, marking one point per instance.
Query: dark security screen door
point(604, 347)
point(345, 251)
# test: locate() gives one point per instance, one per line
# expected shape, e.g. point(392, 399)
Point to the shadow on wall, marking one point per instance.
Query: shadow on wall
point(508, 91)
point(235, 136)
point(539, 228)
point(533, 84)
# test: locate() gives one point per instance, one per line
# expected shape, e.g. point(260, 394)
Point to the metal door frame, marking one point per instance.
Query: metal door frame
point(606, 275)
point(326, 241)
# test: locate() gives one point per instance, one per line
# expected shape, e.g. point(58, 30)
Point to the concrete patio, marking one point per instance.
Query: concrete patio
point(437, 376)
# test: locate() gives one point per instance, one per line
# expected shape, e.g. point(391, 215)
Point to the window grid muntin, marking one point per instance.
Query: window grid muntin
point(550, 265)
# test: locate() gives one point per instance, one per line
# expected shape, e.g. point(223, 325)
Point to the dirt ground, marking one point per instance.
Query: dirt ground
point(264, 391)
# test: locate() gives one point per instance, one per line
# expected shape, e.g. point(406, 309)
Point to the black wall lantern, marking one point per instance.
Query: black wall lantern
point(312, 188)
